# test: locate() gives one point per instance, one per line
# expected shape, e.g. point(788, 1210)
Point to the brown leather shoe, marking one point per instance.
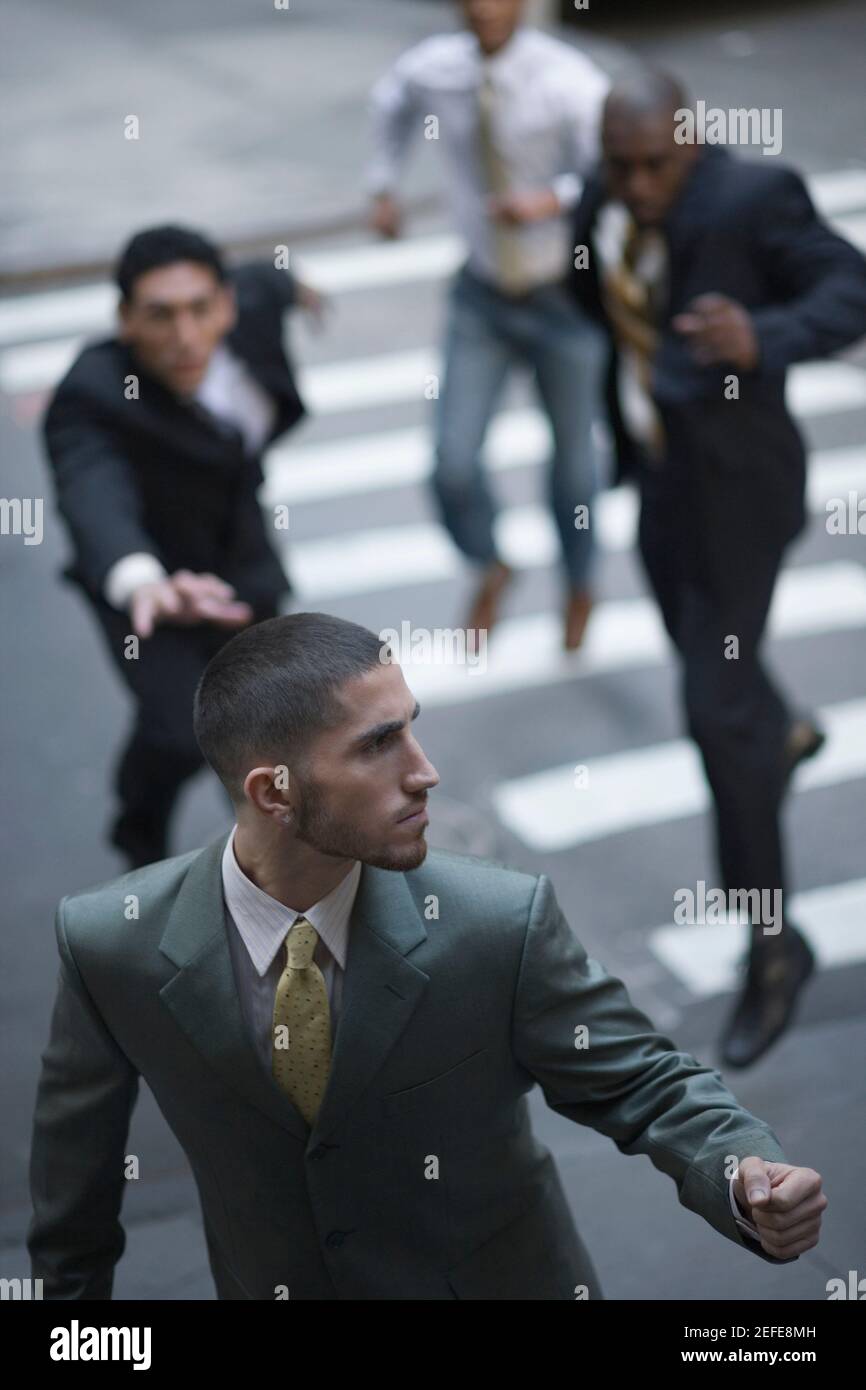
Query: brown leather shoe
point(485, 607)
point(577, 613)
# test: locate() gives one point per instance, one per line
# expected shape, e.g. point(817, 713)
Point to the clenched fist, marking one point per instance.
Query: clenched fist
point(785, 1204)
point(718, 329)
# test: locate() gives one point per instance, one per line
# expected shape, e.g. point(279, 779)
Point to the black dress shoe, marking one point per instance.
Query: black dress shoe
point(804, 740)
point(766, 1006)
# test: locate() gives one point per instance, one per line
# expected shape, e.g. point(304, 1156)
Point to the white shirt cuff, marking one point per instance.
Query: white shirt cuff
point(127, 574)
point(744, 1225)
point(568, 188)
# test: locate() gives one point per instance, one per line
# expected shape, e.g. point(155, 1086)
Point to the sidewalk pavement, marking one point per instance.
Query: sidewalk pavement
point(251, 119)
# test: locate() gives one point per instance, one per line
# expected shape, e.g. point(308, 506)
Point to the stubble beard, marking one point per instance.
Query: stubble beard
point(323, 832)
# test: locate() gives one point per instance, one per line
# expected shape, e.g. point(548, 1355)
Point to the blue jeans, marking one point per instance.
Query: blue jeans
point(488, 333)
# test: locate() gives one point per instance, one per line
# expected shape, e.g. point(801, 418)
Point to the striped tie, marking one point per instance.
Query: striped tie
point(632, 308)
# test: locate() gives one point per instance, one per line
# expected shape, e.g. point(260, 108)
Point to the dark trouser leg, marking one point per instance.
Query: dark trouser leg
point(714, 582)
point(148, 780)
point(739, 723)
point(162, 753)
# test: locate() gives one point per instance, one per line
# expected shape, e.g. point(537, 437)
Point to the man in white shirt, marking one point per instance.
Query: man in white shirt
point(516, 113)
point(155, 438)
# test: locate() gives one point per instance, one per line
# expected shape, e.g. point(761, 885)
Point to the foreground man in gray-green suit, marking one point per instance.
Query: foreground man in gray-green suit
point(462, 986)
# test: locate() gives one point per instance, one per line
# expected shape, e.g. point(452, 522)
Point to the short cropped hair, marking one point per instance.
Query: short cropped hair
point(159, 246)
point(273, 688)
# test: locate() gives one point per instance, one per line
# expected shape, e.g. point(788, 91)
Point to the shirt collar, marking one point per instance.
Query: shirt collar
point(219, 370)
point(263, 922)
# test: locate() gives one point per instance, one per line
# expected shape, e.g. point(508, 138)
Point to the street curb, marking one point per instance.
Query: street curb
point(236, 247)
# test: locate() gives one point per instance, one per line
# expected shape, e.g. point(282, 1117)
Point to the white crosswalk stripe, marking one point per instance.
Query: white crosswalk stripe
point(391, 557)
point(388, 458)
point(400, 458)
point(705, 957)
point(526, 653)
point(816, 388)
point(89, 309)
point(838, 191)
point(854, 228)
point(554, 810)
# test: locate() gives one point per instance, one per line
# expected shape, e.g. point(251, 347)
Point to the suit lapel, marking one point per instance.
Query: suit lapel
point(689, 220)
point(381, 990)
point(187, 426)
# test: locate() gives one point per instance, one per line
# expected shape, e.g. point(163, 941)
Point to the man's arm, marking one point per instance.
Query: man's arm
point(821, 279)
point(394, 113)
point(97, 493)
point(86, 1094)
point(628, 1082)
point(258, 283)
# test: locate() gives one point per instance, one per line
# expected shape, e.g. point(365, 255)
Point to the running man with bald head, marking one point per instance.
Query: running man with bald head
point(712, 275)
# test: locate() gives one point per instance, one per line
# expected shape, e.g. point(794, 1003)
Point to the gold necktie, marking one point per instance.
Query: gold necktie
point(301, 1038)
point(507, 241)
point(633, 312)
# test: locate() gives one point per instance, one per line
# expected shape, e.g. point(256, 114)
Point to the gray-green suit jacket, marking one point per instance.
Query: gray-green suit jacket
point(422, 1179)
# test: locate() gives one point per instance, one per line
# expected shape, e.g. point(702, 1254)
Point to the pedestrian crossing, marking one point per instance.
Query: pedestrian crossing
point(582, 801)
point(625, 634)
point(705, 958)
point(363, 459)
point(380, 557)
point(89, 308)
point(388, 379)
point(388, 459)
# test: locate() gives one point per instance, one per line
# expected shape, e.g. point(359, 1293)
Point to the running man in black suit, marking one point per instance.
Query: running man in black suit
point(713, 274)
point(155, 440)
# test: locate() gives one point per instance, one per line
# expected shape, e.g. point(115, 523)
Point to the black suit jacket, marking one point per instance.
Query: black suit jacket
point(746, 229)
point(151, 475)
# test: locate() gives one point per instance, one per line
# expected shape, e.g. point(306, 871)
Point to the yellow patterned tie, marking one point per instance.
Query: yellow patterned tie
point(301, 1038)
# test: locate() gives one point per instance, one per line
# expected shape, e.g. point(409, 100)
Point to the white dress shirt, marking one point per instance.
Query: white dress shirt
point(548, 107)
point(747, 1227)
point(228, 389)
point(257, 928)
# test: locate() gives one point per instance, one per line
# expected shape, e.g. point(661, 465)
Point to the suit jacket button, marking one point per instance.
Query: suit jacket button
point(334, 1239)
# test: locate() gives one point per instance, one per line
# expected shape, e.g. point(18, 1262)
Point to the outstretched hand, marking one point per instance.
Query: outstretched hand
point(185, 599)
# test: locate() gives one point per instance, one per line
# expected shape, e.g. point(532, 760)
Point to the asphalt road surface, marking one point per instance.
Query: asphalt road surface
point(363, 542)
